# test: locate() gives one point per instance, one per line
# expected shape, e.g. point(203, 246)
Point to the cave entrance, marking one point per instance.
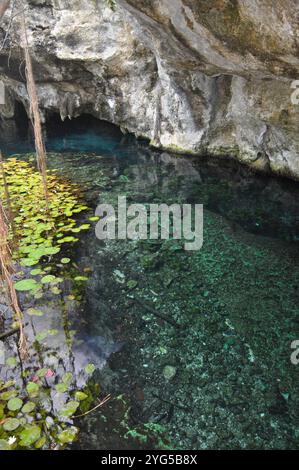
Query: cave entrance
point(22, 120)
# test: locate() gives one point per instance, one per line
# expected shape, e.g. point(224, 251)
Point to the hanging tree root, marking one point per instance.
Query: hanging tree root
point(35, 113)
point(6, 272)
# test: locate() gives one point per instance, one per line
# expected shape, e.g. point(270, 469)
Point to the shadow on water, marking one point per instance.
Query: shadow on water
point(224, 379)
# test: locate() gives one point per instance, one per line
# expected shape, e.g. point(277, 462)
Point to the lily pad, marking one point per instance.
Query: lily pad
point(11, 424)
point(33, 312)
point(69, 409)
point(90, 368)
point(32, 388)
point(14, 404)
point(26, 285)
point(69, 435)
point(29, 435)
point(29, 407)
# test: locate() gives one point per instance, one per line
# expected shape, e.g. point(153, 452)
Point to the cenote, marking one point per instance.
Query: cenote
point(192, 349)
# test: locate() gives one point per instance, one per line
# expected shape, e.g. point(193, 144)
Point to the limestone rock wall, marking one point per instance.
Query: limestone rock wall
point(205, 77)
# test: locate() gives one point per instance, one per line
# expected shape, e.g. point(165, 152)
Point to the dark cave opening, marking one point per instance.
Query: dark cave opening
point(21, 120)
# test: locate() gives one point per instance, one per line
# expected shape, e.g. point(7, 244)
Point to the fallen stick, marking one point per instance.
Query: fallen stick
point(154, 312)
point(10, 333)
point(95, 408)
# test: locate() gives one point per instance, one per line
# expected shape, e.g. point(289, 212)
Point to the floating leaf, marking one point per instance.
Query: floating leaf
point(65, 260)
point(11, 424)
point(30, 435)
point(41, 442)
point(80, 396)
point(32, 388)
point(42, 372)
point(90, 368)
point(69, 409)
point(5, 396)
point(52, 250)
point(55, 290)
point(29, 262)
point(48, 279)
point(29, 407)
point(62, 388)
point(4, 445)
point(68, 240)
point(68, 436)
point(67, 378)
point(11, 362)
point(36, 272)
point(14, 404)
point(33, 312)
point(26, 285)
point(81, 278)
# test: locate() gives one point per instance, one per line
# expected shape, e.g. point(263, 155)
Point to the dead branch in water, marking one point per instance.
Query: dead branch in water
point(102, 403)
point(9, 333)
point(154, 312)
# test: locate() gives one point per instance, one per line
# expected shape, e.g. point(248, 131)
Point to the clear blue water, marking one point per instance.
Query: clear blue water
point(263, 205)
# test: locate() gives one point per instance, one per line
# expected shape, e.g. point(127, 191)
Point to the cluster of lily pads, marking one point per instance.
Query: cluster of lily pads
point(39, 232)
point(27, 420)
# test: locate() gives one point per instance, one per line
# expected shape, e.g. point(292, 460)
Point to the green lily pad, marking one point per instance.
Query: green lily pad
point(14, 404)
point(30, 435)
point(67, 378)
point(68, 436)
point(11, 362)
point(69, 409)
point(29, 407)
point(90, 368)
point(48, 279)
point(32, 388)
point(62, 388)
point(33, 312)
point(26, 285)
point(4, 445)
point(11, 424)
point(80, 396)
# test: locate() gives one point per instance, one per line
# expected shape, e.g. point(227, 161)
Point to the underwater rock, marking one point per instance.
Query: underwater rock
point(169, 372)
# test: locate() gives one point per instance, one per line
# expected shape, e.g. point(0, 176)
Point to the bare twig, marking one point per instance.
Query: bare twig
point(9, 333)
point(154, 312)
point(102, 403)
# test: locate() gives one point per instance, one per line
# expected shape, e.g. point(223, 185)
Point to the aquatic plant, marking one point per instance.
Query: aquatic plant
point(39, 232)
point(28, 422)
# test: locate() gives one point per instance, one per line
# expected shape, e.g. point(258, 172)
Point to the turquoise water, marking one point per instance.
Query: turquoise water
point(235, 301)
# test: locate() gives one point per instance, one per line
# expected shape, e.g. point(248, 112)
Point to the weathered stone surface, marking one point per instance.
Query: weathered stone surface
point(193, 76)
